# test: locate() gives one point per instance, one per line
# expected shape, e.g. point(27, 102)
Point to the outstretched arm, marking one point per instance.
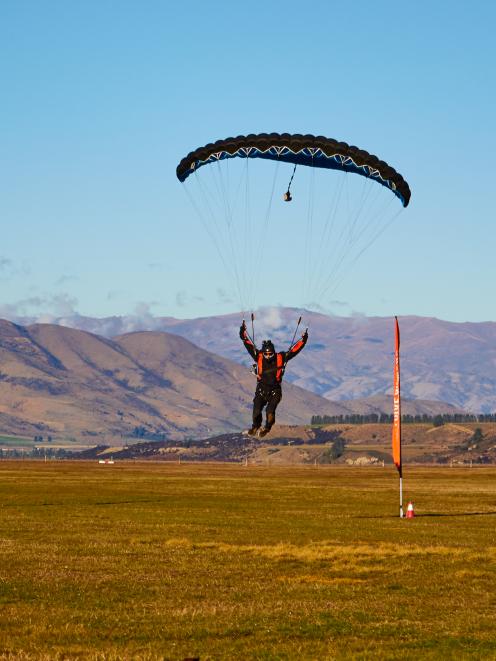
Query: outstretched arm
point(249, 346)
point(297, 347)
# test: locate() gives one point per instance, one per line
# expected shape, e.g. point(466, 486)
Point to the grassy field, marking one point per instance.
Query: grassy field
point(167, 561)
point(15, 441)
point(23, 443)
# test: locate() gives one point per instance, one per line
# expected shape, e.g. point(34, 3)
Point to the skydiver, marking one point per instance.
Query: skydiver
point(270, 366)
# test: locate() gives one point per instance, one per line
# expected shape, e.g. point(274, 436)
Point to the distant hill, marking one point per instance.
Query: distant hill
point(384, 404)
point(361, 444)
point(70, 382)
point(350, 358)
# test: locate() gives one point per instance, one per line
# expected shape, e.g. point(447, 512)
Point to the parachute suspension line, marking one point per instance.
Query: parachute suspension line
point(363, 198)
point(213, 216)
point(207, 229)
point(379, 215)
point(248, 238)
point(344, 247)
point(355, 229)
point(353, 237)
point(287, 194)
point(373, 230)
point(224, 209)
point(308, 238)
point(381, 230)
point(253, 329)
point(231, 238)
point(237, 242)
point(377, 232)
point(327, 234)
point(258, 242)
point(368, 226)
point(237, 232)
point(209, 202)
point(221, 174)
point(311, 232)
point(341, 245)
point(231, 271)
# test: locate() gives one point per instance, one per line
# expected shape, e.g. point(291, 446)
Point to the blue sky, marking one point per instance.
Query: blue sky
point(100, 101)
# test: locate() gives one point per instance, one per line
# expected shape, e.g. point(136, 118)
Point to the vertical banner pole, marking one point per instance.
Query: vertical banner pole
point(401, 496)
point(397, 412)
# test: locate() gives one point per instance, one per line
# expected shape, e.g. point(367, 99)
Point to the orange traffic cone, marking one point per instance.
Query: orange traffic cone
point(410, 512)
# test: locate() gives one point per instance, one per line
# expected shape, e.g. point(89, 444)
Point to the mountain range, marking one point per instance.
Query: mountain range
point(72, 383)
point(348, 357)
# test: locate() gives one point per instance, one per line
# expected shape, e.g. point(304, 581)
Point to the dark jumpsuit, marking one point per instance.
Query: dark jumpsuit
point(268, 392)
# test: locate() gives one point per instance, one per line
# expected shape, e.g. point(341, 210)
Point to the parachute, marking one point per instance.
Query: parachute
point(308, 150)
point(333, 222)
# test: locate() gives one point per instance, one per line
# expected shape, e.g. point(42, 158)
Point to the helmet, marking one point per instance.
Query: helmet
point(268, 346)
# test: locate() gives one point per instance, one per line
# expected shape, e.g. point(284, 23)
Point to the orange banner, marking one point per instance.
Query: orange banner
point(397, 400)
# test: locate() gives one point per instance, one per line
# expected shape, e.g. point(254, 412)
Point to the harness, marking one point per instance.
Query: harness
point(279, 363)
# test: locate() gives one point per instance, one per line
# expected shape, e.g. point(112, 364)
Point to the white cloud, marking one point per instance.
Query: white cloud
point(5, 264)
point(270, 318)
point(224, 297)
point(63, 304)
point(28, 309)
point(317, 307)
point(183, 299)
point(270, 323)
point(360, 319)
point(65, 279)
point(10, 311)
point(143, 308)
point(113, 294)
point(9, 269)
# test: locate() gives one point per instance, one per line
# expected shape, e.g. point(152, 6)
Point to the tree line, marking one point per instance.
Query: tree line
point(435, 420)
point(36, 453)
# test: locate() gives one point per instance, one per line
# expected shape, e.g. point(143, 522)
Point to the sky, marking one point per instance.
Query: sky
point(100, 101)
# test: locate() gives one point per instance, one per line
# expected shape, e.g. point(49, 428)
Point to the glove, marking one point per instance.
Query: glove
point(304, 337)
point(242, 330)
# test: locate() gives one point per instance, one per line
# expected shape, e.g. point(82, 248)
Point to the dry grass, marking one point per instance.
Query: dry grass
point(153, 561)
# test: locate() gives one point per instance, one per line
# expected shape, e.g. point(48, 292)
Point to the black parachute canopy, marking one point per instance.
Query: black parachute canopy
point(314, 151)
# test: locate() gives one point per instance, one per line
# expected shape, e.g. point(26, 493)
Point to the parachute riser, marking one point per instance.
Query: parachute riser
point(252, 339)
point(294, 334)
point(291, 345)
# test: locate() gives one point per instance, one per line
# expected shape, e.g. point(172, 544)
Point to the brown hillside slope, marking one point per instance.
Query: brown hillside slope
point(349, 357)
point(210, 386)
point(71, 382)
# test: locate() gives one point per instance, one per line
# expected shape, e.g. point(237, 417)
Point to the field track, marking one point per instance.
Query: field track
point(167, 561)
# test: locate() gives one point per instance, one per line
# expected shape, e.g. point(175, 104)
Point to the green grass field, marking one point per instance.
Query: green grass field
point(16, 441)
point(154, 561)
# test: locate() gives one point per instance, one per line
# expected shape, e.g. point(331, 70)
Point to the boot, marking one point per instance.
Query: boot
point(253, 431)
